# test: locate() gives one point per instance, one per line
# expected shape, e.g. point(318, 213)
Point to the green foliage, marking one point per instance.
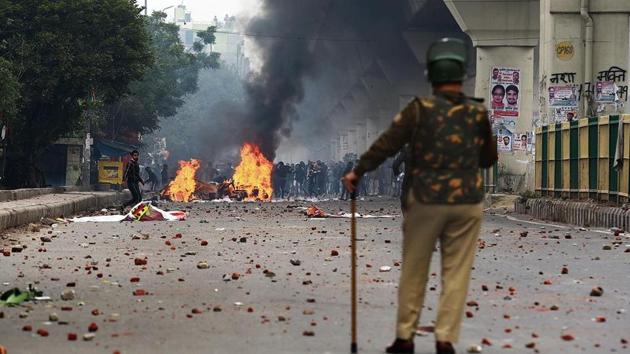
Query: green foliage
point(64, 51)
point(163, 88)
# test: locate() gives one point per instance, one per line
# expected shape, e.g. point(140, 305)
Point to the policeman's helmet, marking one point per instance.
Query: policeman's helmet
point(447, 60)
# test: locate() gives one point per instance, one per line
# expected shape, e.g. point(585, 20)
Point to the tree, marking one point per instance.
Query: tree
point(163, 88)
point(65, 51)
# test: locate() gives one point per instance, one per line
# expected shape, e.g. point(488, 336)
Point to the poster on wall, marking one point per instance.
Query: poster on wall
point(519, 142)
point(605, 92)
point(564, 114)
point(504, 142)
point(563, 96)
point(530, 142)
point(504, 92)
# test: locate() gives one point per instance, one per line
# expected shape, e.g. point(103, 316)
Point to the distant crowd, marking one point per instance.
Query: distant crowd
point(318, 179)
point(311, 179)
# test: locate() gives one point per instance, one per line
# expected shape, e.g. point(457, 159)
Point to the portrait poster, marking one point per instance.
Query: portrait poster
point(504, 88)
point(563, 96)
point(605, 92)
point(504, 142)
point(519, 142)
point(530, 142)
point(564, 114)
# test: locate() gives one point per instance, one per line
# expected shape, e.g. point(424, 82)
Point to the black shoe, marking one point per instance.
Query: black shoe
point(401, 346)
point(444, 348)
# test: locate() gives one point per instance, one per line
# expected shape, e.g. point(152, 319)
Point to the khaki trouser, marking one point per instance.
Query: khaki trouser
point(457, 228)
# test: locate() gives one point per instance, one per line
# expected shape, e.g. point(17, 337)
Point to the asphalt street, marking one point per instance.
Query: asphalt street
point(263, 278)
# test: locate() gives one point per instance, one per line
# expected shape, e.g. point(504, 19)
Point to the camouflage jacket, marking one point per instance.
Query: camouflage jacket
point(446, 133)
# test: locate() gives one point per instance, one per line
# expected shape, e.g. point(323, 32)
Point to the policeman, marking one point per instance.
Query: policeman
point(450, 138)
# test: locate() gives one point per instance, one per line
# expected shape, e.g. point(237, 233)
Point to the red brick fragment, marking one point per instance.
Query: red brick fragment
point(140, 292)
point(140, 261)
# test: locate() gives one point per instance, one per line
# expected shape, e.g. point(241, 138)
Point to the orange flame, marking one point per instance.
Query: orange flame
point(181, 189)
point(253, 174)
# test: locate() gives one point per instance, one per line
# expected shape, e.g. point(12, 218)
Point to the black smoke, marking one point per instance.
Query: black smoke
point(312, 54)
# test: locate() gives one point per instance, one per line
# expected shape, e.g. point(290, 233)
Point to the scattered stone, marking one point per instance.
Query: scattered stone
point(235, 276)
point(45, 239)
point(597, 291)
point(295, 262)
point(72, 337)
point(140, 292)
point(93, 327)
point(475, 349)
point(53, 317)
point(567, 337)
point(42, 332)
point(88, 337)
point(140, 261)
point(334, 253)
point(308, 333)
point(204, 243)
point(564, 270)
point(384, 269)
point(68, 295)
point(203, 265)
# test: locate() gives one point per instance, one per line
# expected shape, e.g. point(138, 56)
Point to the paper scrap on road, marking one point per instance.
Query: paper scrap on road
point(143, 211)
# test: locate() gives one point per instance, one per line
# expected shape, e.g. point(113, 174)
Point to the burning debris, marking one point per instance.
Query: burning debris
point(253, 174)
point(251, 180)
point(182, 188)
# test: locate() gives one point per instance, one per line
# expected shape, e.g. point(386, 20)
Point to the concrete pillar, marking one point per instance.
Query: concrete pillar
point(509, 40)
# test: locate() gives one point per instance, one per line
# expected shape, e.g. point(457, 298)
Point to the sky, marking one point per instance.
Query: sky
point(204, 10)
